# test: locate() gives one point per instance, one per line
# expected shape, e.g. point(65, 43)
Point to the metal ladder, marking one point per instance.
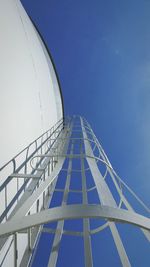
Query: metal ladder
point(69, 149)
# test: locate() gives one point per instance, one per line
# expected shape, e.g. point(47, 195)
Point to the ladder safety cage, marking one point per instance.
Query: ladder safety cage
point(67, 160)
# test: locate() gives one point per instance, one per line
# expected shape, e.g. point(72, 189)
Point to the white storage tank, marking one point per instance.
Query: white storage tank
point(30, 98)
point(30, 104)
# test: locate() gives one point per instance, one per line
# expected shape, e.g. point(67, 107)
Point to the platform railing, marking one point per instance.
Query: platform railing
point(19, 174)
point(20, 169)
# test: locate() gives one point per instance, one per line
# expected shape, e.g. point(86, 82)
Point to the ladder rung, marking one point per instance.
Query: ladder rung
point(26, 176)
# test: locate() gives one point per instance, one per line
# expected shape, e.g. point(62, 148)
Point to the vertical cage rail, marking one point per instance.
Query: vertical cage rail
point(105, 197)
point(86, 222)
point(60, 225)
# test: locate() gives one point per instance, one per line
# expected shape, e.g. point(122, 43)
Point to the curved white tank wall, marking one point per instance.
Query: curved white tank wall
point(30, 101)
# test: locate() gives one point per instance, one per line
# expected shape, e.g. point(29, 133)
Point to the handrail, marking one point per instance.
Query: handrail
point(30, 144)
point(47, 135)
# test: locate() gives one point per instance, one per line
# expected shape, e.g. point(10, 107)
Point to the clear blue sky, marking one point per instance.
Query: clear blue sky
point(101, 50)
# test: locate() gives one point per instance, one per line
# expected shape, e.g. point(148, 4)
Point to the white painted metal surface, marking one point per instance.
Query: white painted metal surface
point(30, 101)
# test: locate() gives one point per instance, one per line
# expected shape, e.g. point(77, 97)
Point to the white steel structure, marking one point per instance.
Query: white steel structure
point(66, 160)
point(69, 151)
